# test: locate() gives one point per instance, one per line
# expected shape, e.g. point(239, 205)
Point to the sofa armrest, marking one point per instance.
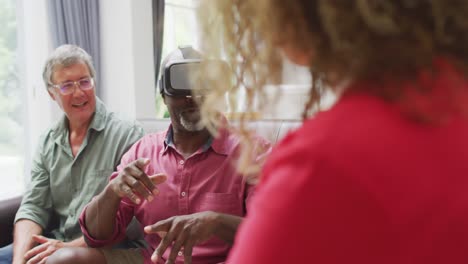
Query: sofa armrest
point(8, 209)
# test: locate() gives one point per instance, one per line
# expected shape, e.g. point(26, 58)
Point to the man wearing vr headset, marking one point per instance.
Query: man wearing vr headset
point(193, 214)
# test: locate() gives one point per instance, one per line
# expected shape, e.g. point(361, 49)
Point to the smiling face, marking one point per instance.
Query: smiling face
point(80, 105)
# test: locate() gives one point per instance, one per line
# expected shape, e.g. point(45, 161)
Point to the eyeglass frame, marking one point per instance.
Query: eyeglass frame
point(75, 84)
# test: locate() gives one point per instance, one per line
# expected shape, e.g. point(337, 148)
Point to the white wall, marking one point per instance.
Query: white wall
point(127, 70)
point(293, 93)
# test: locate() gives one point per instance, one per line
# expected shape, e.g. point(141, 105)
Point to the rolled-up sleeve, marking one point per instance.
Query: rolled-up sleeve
point(37, 200)
point(123, 218)
point(125, 211)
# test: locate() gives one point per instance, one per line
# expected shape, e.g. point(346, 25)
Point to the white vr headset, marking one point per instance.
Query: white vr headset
point(176, 75)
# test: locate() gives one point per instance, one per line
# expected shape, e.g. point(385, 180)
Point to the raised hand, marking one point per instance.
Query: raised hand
point(135, 184)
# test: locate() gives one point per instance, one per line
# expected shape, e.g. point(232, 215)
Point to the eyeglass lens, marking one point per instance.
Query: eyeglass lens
point(84, 84)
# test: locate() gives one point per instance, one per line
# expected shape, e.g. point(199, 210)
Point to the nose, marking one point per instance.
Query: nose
point(77, 90)
point(189, 99)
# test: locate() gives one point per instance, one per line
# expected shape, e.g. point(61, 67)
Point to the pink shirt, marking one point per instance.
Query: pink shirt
point(207, 180)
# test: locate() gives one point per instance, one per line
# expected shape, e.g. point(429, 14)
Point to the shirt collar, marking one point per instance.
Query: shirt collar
point(222, 144)
point(219, 144)
point(99, 119)
point(168, 141)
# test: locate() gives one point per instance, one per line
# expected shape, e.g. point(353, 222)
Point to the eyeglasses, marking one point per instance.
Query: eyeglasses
point(69, 87)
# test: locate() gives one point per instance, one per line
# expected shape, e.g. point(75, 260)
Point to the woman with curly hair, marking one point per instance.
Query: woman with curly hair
point(382, 176)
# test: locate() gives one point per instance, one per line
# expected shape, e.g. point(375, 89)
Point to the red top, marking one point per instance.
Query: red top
point(361, 183)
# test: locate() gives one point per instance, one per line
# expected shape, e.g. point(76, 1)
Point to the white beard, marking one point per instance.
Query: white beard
point(191, 126)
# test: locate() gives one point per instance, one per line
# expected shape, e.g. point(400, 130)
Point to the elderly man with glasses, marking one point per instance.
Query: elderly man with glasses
point(73, 160)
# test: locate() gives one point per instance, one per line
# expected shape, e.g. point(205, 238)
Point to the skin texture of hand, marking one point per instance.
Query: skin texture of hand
point(23, 241)
point(183, 231)
point(46, 248)
point(134, 184)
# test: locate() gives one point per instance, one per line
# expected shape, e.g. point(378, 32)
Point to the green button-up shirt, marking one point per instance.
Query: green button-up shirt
point(62, 184)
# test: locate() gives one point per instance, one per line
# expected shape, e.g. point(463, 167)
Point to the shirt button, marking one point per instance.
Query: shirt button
point(181, 162)
point(183, 194)
point(179, 253)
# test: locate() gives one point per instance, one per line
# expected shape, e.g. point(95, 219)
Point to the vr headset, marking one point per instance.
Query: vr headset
point(176, 77)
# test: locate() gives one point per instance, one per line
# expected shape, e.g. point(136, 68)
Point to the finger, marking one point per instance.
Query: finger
point(40, 239)
point(138, 187)
point(44, 260)
point(160, 226)
point(36, 259)
point(33, 252)
point(158, 178)
point(137, 171)
point(141, 163)
point(176, 247)
point(188, 251)
point(161, 234)
point(127, 191)
point(48, 252)
point(165, 242)
point(154, 258)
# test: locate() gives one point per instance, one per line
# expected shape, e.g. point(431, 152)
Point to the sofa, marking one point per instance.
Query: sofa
point(273, 130)
point(8, 210)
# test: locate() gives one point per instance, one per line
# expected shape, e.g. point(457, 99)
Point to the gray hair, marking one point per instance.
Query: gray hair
point(64, 56)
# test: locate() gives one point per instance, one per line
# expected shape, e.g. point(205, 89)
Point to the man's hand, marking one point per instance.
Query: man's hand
point(46, 248)
point(133, 182)
point(183, 231)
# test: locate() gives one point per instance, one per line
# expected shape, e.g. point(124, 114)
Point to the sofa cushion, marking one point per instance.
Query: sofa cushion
point(273, 130)
point(8, 209)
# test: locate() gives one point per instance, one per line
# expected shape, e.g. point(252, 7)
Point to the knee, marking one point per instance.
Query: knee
point(66, 256)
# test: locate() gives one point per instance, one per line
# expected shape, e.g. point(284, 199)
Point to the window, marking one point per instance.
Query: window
point(25, 107)
point(11, 106)
point(179, 30)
